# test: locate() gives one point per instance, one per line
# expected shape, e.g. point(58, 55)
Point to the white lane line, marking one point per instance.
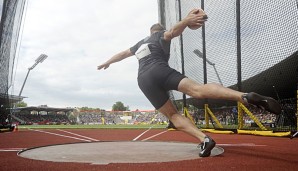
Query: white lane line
point(142, 134)
point(78, 135)
point(11, 149)
point(241, 145)
point(59, 135)
point(154, 135)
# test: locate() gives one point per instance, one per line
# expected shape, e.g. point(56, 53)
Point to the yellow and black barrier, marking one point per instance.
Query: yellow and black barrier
point(241, 109)
point(208, 113)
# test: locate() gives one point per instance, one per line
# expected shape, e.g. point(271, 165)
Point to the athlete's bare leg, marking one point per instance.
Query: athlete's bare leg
point(181, 123)
point(210, 91)
point(196, 90)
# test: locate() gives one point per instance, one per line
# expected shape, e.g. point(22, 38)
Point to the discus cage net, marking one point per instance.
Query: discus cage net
point(11, 16)
point(250, 46)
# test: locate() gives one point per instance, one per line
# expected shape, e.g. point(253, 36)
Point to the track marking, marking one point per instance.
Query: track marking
point(59, 135)
point(78, 135)
point(154, 135)
point(10, 149)
point(241, 145)
point(142, 134)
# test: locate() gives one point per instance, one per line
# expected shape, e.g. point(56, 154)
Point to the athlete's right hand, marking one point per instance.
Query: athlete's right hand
point(196, 17)
point(104, 66)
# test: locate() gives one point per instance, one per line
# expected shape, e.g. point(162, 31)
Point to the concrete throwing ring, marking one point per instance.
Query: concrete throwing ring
point(117, 152)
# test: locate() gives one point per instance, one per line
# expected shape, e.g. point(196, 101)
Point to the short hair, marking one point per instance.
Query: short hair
point(157, 27)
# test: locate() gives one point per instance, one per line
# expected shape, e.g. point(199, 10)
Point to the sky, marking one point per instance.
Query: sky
point(77, 36)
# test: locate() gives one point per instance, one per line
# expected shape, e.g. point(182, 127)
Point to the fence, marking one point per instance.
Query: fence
point(244, 45)
point(11, 16)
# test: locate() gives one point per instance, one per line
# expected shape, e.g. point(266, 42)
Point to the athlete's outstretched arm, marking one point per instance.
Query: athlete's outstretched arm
point(192, 18)
point(116, 58)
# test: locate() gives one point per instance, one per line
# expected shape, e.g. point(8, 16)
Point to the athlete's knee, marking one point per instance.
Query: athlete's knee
point(193, 90)
point(198, 91)
point(204, 91)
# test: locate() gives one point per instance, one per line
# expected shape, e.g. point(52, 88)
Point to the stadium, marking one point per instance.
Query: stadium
point(242, 47)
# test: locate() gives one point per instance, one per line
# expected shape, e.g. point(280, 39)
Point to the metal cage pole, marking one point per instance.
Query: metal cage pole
point(182, 52)
point(205, 68)
point(204, 47)
point(238, 28)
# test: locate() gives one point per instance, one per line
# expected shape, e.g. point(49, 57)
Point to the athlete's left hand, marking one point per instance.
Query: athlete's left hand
point(104, 66)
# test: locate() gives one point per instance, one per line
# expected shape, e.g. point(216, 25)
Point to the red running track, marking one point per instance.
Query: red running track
point(242, 152)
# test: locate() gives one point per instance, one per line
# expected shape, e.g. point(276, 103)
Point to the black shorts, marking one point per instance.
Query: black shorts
point(156, 81)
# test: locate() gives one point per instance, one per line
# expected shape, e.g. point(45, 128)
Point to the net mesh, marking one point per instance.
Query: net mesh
point(11, 16)
point(268, 51)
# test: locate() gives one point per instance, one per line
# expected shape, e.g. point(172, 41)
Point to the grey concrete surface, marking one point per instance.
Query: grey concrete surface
point(118, 152)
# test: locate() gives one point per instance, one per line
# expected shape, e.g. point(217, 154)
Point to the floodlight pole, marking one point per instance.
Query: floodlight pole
point(217, 74)
point(199, 54)
point(24, 82)
point(40, 59)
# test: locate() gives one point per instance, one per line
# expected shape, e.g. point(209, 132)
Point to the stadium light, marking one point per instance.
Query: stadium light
point(200, 54)
point(40, 59)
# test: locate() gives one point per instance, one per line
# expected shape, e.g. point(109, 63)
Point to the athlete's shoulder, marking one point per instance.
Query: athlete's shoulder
point(159, 33)
point(138, 44)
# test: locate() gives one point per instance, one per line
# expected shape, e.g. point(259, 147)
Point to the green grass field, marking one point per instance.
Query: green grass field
point(141, 126)
point(99, 126)
point(90, 126)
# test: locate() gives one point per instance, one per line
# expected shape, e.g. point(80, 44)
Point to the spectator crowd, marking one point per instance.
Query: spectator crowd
point(226, 116)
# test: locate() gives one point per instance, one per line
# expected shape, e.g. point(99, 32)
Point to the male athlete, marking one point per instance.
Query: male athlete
point(156, 78)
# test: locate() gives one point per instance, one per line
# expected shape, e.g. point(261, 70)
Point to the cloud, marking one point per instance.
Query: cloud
point(77, 36)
